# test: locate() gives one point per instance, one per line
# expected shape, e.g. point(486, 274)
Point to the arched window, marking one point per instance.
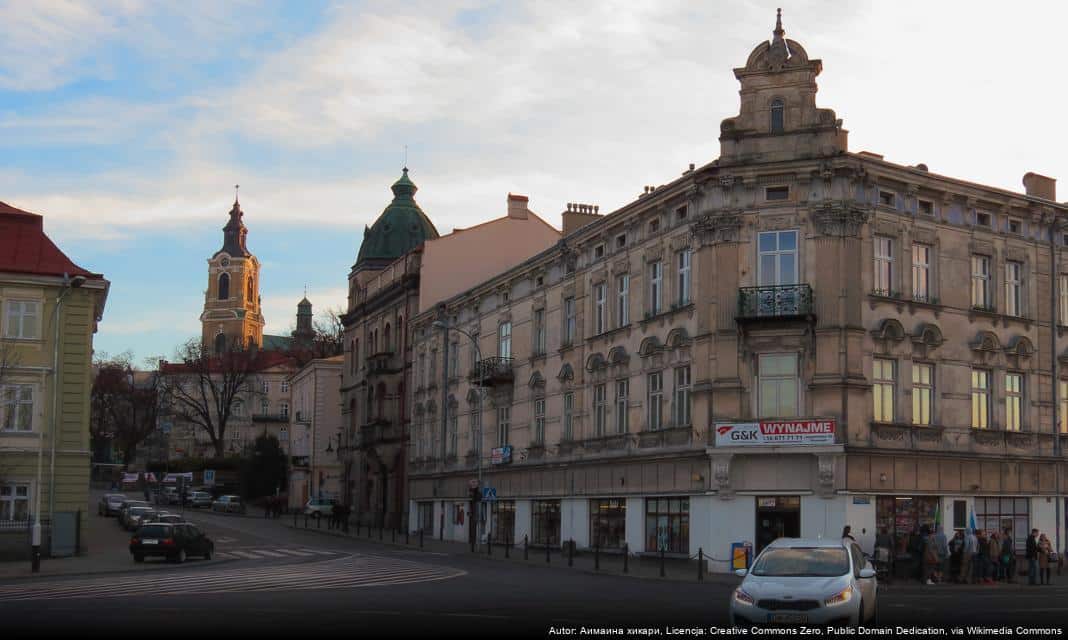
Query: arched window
point(777, 115)
point(250, 294)
point(386, 344)
point(224, 286)
point(220, 343)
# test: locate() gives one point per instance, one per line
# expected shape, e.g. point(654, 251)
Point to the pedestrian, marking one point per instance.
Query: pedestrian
point(1032, 557)
point(956, 553)
point(884, 545)
point(982, 560)
point(968, 556)
point(847, 536)
point(1045, 549)
point(942, 548)
point(915, 549)
point(1008, 555)
point(931, 560)
point(993, 558)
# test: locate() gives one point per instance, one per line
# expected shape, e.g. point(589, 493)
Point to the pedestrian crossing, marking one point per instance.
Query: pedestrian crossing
point(348, 572)
point(258, 553)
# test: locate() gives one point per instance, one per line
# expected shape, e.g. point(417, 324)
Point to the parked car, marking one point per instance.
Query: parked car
point(135, 516)
point(175, 541)
point(110, 504)
point(169, 495)
point(169, 518)
point(806, 582)
point(128, 504)
point(229, 504)
point(198, 499)
point(319, 507)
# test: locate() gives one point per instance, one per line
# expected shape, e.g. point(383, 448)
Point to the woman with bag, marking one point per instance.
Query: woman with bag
point(994, 553)
point(1045, 550)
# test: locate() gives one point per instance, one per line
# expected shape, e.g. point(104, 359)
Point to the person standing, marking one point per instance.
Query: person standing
point(1032, 557)
point(968, 557)
point(992, 553)
point(942, 549)
point(982, 561)
point(847, 535)
point(1044, 550)
point(1008, 555)
point(956, 550)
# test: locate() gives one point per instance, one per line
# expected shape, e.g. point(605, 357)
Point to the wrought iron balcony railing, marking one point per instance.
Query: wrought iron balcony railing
point(492, 371)
point(781, 301)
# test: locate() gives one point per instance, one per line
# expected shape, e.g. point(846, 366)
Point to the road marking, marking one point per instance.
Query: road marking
point(269, 554)
point(294, 552)
point(245, 554)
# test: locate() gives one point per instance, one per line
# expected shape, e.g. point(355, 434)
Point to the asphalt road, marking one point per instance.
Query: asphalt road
point(355, 587)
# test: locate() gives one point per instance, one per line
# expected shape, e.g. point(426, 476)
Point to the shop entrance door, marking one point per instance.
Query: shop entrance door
point(777, 517)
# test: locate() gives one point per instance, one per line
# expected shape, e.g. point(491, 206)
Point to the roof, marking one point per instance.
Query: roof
point(25, 248)
point(277, 343)
point(262, 360)
point(402, 226)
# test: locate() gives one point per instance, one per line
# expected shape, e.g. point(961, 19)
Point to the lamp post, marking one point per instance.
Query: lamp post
point(439, 324)
point(35, 534)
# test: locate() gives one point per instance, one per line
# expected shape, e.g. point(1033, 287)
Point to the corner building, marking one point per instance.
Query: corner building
point(791, 338)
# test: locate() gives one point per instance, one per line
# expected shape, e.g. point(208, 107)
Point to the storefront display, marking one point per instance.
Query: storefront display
point(903, 518)
point(502, 527)
point(608, 523)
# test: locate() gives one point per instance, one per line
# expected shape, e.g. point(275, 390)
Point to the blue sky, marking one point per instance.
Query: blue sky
point(127, 122)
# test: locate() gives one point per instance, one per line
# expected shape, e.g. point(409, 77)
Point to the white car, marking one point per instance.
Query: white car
point(319, 507)
point(229, 504)
point(798, 581)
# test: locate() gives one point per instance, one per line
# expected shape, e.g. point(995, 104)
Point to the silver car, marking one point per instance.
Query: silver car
point(798, 581)
point(135, 516)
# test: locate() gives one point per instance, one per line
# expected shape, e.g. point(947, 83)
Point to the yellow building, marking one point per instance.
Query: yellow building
point(50, 310)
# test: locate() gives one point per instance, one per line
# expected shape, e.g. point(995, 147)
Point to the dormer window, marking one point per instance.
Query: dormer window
point(621, 241)
point(598, 252)
point(887, 198)
point(777, 115)
point(654, 225)
point(926, 207)
point(982, 219)
point(1015, 226)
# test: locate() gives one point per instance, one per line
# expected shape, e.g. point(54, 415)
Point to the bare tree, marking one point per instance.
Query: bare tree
point(203, 388)
point(329, 334)
point(125, 404)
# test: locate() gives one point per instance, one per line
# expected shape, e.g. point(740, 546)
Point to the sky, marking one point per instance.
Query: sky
point(126, 123)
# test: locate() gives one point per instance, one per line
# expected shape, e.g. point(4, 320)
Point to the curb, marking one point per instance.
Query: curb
point(82, 574)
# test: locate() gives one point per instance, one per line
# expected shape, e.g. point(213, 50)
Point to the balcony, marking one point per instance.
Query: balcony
point(271, 417)
point(379, 431)
point(490, 372)
point(383, 363)
point(781, 302)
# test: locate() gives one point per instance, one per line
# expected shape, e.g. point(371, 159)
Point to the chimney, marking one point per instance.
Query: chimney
point(579, 215)
point(1040, 186)
point(517, 206)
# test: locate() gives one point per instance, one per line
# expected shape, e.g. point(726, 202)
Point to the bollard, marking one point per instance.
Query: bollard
point(420, 538)
point(507, 546)
point(597, 555)
point(626, 557)
point(526, 548)
point(661, 562)
point(571, 553)
point(546, 552)
point(489, 546)
point(700, 564)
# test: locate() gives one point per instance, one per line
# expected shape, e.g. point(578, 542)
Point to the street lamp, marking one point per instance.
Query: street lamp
point(439, 324)
point(35, 534)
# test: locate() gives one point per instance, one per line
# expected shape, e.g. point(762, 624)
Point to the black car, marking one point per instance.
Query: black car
point(175, 542)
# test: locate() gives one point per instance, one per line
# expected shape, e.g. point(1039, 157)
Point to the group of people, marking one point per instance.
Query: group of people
point(971, 557)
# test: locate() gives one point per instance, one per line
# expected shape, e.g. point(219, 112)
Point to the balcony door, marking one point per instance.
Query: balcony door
point(777, 273)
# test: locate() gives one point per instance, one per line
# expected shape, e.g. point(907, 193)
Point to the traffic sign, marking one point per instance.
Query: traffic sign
point(489, 494)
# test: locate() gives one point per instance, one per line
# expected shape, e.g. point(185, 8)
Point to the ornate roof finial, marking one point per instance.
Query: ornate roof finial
point(779, 32)
point(236, 187)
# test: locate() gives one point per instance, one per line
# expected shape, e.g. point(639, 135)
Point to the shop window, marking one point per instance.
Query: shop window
point(998, 514)
point(608, 521)
point(902, 518)
point(667, 525)
point(545, 522)
point(426, 517)
point(502, 526)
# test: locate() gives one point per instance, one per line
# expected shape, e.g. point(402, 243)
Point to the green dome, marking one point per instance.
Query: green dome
point(401, 227)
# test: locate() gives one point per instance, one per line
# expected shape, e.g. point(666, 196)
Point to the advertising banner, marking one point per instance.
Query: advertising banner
point(501, 455)
point(775, 432)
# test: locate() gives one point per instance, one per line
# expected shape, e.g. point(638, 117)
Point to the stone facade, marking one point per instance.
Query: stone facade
point(791, 281)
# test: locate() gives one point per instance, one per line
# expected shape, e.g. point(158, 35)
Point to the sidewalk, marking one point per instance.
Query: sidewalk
point(646, 566)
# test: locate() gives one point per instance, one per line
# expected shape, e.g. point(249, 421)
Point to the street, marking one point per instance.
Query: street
point(269, 578)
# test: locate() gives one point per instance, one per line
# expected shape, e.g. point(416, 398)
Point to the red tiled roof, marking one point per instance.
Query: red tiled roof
point(24, 247)
point(261, 360)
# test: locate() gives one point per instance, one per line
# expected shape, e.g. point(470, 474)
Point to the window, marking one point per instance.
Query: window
point(224, 286)
point(1013, 288)
point(982, 219)
point(539, 421)
point(655, 392)
point(250, 292)
point(545, 523)
point(239, 409)
point(998, 514)
point(599, 392)
point(887, 198)
point(1013, 401)
point(569, 415)
point(265, 406)
point(883, 389)
point(600, 290)
point(598, 252)
point(667, 525)
point(433, 379)
point(981, 282)
point(539, 281)
point(621, 241)
point(622, 400)
point(1062, 302)
point(776, 193)
point(623, 300)
point(926, 207)
point(14, 502)
point(387, 342)
point(777, 386)
point(681, 213)
point(656, 287)
point(608, 523)
point(472, 426)
point(777, 115)
point(505, 296)
point(23, 317)
point(685, 258)
point(1062, 402)
point(504, 340)
point(654, 225)
point(681, 407)
point(921, 273)
point(454, 359)
point(980, 399)
point(454, 428)
point(569, 321)
point(504, 425)
point(502, 512)
point(283, 409)
point(777, 263)
point(283, 434)
point(265, 386)
point(539, 332)
point(16, 407)
point(922, 392)
point(1015, 226)
point(884, 265)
